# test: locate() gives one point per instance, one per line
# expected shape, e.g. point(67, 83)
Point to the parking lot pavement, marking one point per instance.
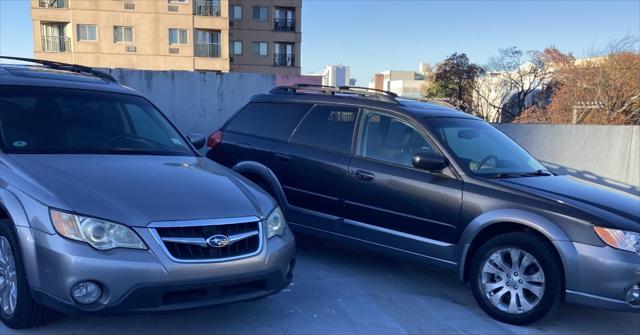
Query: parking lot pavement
point(343, 290)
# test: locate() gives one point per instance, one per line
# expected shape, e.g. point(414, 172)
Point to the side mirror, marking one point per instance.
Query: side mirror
point(197, 140)
point(429, 162)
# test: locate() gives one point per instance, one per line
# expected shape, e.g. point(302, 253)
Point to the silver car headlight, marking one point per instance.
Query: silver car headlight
point(619, 239)
point(275, 223)
point(100, 234)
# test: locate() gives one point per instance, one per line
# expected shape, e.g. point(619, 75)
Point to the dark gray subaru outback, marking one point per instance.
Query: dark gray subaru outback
point(441, 186)
point(105, 207)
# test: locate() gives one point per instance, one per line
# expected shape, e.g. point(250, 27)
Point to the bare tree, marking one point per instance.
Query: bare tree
point(511, 79)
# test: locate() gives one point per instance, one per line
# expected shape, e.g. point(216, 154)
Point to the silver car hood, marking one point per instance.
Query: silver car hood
point(136, 190)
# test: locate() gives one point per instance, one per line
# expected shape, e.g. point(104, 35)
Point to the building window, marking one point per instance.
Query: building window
point(178, 1)
point(87, 32)
point(236, 47)
point(260, 48)
point(54, 38)
point(122, 34)
point(284, 19)
point(283, 54)
point(235, 12)
point(178, 36)
point(207, 43)
point(260, 13)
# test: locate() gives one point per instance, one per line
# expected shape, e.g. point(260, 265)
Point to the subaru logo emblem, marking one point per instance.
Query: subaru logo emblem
point(218, 241)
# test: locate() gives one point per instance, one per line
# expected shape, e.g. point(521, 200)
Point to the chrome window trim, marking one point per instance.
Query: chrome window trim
point(211, 222)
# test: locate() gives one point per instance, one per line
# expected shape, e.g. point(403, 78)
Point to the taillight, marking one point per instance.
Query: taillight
point(214, 139)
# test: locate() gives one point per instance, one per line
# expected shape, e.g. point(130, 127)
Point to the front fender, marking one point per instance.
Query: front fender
point(517, 216)
point(19, 219)
point(262, 171)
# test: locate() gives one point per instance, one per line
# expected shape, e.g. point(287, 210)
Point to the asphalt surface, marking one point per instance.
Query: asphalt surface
point(342, 290)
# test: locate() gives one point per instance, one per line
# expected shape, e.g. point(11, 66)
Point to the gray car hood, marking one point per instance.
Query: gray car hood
point(612, 207)
point(136, 190)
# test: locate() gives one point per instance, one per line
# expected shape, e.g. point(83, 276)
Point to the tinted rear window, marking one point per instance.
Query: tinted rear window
point(328, 127)
point(271, 120)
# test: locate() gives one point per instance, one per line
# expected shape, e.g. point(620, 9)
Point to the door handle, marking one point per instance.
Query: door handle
point(283, 157)
point(365, 175)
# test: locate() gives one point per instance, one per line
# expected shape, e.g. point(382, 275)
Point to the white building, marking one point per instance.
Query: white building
point(336, 75)
point(407, 84)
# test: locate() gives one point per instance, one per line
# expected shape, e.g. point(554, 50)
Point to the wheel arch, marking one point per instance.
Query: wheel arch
point(261, 174)
point(491, 224)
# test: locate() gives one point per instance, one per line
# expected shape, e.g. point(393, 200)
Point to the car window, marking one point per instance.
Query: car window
point(57, 120)
point(271, 120)
point(328, 127)
point(480, 148)
point(389, 139)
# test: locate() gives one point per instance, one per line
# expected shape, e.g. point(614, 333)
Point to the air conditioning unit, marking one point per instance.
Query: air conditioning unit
point(174, 50)
point(173, 8)
point(129, 6)
point(132, 48)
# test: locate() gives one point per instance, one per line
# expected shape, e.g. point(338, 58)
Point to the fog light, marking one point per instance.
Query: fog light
point(633, 296)
point(86, 292)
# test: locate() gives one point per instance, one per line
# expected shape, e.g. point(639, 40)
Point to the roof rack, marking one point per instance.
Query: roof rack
point(68, 67)
point(363, 92)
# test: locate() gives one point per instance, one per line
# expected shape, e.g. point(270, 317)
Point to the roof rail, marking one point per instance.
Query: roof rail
point(64, 66)
point(363, 92)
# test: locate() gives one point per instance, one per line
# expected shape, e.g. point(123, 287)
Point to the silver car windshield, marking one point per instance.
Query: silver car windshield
point(483, 150)
point(44, 120)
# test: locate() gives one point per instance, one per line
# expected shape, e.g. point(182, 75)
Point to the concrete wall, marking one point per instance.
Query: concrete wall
point(606, 155)
point(198, 102)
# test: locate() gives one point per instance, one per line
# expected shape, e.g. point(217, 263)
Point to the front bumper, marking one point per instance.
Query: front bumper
point(148, 281)
point(599, 276)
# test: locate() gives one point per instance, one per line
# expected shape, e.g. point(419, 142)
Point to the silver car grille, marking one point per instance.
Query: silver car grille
point(214, 240)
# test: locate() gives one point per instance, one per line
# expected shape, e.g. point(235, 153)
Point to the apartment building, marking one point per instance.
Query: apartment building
point(169, 34)
point(265, 36)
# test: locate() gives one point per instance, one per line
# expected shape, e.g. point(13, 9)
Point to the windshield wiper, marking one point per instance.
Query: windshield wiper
point(544, 173)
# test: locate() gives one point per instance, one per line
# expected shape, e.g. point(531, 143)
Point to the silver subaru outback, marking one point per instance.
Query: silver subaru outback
point(106, 208)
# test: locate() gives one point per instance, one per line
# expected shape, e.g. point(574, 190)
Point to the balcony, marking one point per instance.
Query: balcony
point(284, 25)
point(283, 59)
point(207, 8)
point(210, 50)
point(56, 44)
point(52, 3)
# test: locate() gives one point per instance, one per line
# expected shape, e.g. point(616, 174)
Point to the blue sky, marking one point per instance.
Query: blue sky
point(372, 36)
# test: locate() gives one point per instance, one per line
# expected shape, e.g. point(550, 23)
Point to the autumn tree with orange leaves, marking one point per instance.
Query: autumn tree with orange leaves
point(596, 90)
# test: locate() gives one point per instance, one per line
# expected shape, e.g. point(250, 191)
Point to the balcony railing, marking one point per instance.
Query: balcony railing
point(211, 50)
point(284, 25)
point(207, 8)
point(283, 59)
point(56, 44)
point(52, 3)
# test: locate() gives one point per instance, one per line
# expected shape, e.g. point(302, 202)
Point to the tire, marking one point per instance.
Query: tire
point(26, 313)
point(520, 294)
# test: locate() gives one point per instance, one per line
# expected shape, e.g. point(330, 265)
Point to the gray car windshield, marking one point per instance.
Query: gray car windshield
point(483, 150)
point(67, 121)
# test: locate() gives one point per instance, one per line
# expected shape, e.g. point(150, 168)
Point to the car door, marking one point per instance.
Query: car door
point(313, 166)
point(392, 203)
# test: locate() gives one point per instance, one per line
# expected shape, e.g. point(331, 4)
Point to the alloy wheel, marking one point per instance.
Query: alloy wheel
point(8, 278)
point(512, 280)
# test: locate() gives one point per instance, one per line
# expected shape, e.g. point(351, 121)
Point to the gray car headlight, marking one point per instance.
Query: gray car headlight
point(100, 234)
point(275, 223)
point(619, 239)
